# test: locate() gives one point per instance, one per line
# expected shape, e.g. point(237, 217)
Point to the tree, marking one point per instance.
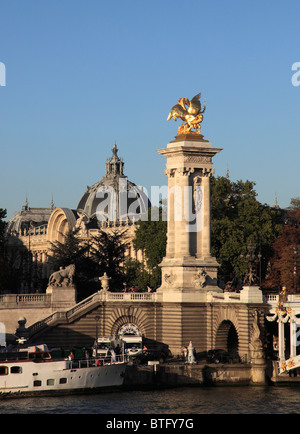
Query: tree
point(151, 238)
point(72, 251)
point(285, 258)
point(238, 219)
point(136, 274)
point(108, 253)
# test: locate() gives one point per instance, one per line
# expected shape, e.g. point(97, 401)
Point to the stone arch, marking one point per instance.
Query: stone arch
point(126, 315)
point(227, 338)
point(60, 222)
point(226, 331)
point(129, 328)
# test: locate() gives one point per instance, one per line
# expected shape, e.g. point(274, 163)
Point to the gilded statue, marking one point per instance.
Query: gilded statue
point(190, 112)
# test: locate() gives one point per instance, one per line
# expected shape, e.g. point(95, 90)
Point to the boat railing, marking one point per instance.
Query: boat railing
point(94, 362)
point(13, 355)
point(73, 363)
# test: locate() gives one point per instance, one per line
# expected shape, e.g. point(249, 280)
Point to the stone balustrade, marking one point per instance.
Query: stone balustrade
point(21, 301)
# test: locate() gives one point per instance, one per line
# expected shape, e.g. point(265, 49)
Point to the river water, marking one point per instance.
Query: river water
point(200, 400)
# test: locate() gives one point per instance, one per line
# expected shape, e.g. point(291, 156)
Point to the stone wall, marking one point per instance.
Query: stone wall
point(34, 307)
point(180, 375)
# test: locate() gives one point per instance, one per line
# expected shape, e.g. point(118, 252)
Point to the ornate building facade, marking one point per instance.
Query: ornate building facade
point(113, 203)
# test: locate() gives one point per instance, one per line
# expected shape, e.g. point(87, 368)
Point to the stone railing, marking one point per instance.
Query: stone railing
point(11, 301)
point(273, 299)
point(87, 303)
point(32, 231)
point(248, 294)
point(20, 301)
point(130, 296)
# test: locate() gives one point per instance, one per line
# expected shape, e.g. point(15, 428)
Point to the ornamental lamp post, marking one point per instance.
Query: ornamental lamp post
point(251, 259)
point(295, 250)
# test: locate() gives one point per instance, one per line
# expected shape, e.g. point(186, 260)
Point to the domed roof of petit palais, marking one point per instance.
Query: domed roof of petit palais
point(114, 197)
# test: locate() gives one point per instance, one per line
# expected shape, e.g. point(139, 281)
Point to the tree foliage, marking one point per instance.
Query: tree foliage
point(136, 274)
point(237, 219)
point(108, 253)
point(284, 267)
point(70, 251)
point(104, 253)
point(151, 238)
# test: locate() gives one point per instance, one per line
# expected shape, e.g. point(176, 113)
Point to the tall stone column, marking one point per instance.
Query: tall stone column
point(204, 250)
point(188, 264)
point(181, 238)
point(281, 339)
point(170, 251)
point(293, 337)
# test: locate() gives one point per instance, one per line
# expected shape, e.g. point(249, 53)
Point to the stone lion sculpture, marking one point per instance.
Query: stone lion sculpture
point(62, 277)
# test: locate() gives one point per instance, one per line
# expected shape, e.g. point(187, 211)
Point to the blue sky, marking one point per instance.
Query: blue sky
point(82, 75)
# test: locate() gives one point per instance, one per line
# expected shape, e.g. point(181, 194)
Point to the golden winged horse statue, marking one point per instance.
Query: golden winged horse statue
point(191, 112)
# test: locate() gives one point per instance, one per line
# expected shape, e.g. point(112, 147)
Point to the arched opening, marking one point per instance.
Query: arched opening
point(60, 222)
point(227, 338)
point(129, 329)
point(131, 339)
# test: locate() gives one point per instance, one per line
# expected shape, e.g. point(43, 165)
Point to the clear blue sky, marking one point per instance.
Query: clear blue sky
point(83, 74)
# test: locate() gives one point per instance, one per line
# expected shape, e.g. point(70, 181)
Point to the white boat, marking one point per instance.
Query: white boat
point(33, 371)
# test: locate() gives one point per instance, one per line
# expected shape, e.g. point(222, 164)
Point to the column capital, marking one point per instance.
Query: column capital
point(185, 171)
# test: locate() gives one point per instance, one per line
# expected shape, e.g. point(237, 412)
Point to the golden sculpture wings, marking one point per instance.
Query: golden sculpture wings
point(190, 112)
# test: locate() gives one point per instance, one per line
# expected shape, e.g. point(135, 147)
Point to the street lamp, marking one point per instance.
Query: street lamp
point(295, 250)
point(251, 259)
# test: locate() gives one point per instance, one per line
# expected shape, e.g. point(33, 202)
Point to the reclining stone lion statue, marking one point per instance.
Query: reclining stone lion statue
point(62, 277)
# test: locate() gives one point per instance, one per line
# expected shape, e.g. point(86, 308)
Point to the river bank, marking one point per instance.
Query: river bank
point(179, 374)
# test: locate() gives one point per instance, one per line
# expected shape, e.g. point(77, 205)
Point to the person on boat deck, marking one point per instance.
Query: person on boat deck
point(71, 355)
point(113, 355)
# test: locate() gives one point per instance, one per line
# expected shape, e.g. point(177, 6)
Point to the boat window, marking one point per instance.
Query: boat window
point(62, 380)
point(3, 370)
point(50, 382)
point(16, 370)
point(46, 355)
point(37, 383)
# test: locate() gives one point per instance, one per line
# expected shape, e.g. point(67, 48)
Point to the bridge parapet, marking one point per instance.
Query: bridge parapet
point(21, 301)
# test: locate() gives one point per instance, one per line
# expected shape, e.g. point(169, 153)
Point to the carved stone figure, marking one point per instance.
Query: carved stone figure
point(200, 279)
point(256, 348)
point(191, 356)
point(81, 225)
point(62, 277)
point(198, 194)
point(169, 278)
point(190, 112)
